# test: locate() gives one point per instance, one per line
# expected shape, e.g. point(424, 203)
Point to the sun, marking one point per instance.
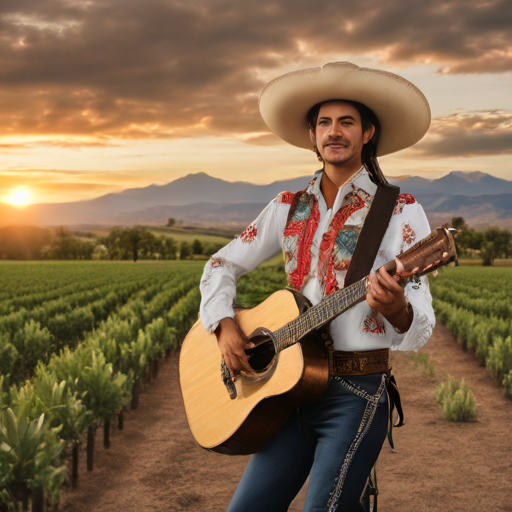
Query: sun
point(20, 196)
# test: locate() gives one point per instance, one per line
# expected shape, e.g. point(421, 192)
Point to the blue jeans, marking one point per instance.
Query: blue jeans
point(336, 441)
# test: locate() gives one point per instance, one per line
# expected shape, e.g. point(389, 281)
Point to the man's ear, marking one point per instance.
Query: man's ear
point(368, 134)
point(312, 135)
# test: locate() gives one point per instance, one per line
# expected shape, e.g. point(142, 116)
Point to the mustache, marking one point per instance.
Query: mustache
point(336, 141)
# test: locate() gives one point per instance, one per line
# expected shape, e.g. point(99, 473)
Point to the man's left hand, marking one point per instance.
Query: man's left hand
point(387, 297)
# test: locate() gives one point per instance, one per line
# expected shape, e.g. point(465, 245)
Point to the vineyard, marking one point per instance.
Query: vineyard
point(475, 303)
point(78, 342)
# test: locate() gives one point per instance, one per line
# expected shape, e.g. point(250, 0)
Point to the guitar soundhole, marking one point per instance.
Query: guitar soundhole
point(261, 356)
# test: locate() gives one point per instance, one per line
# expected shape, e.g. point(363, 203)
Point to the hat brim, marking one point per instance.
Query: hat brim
point(402, 109)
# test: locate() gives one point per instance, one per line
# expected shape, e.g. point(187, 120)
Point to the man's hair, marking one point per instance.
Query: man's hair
point(368, 119)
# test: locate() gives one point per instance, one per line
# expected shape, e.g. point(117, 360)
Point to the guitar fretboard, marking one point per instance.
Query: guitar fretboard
point(329, 308)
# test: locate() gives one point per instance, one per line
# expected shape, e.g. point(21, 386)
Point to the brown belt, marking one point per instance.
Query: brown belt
point(358, 363)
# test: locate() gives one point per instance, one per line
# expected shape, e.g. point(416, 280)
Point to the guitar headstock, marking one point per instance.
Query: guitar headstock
point(433, 252)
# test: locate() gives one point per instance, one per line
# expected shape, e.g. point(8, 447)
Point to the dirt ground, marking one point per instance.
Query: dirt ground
point(154, 464)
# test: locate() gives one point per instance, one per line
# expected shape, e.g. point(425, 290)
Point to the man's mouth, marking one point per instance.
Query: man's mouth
point(336, 145)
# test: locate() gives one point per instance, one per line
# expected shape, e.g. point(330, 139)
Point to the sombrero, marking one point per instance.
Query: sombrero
point(402, 109)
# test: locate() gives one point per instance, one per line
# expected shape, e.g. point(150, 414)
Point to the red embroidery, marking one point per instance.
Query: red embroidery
point(303, 219)
point(249, 234)
point(326, 273)
point(285, 197)
point(408, 234)
point(217, 263)
point(402, 200)
point(373, 326)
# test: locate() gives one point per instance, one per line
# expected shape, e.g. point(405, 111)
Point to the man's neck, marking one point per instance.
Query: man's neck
point(339, 175)
point(333, 179)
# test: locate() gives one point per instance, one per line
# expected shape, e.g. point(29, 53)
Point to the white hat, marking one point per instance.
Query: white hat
point(401, 108)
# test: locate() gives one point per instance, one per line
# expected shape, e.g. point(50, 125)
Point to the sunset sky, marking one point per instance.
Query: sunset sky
point(99, 96)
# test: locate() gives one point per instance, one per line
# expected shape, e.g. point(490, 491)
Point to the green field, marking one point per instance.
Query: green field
point(182, 235)
point(79, 340)
point(478, 262)
point(475, 303)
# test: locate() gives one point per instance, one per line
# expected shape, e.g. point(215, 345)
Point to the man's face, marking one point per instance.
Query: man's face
point(339, 134)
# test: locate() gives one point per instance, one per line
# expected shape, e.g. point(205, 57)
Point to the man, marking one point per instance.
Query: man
point(349, 115)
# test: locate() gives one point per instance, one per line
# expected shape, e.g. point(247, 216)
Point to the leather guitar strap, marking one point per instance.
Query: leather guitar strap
point(368, 244)
point(370, 238)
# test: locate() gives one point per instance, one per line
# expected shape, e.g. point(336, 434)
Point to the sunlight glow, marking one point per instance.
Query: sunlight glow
point(20, 196)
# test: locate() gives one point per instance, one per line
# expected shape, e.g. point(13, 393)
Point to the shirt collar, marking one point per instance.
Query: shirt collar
point(360, 179)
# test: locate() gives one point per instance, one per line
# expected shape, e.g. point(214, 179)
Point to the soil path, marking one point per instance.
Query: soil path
point(154, 465)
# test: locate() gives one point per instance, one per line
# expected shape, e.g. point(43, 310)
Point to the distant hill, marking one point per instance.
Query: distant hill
point(201, 199)
point(457, 183)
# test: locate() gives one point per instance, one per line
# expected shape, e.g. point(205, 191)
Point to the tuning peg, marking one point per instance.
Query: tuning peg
point(454, 232)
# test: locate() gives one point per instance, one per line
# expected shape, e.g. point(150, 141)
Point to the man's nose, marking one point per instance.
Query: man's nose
point(336, 130)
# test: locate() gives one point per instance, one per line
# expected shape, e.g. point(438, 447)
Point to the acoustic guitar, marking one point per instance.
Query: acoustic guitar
point(290, 358)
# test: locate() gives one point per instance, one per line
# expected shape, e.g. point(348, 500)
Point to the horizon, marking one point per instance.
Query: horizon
point(399, 178)
point(94, 102)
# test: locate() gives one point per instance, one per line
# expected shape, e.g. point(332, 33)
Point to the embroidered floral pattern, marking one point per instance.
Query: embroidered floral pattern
point(249, 234)
point(373, 326)
point(290, 250)
point(408, 234)
point(402, 200)
point(337, 247)
point(344, 247)
point(298, 234)
point(285, 197)
point(217, 263)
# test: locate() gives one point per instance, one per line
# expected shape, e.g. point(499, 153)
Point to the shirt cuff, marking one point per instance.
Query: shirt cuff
point(216, 312)
point(417, 335)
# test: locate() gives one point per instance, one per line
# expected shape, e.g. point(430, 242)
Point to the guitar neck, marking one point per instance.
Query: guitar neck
point(434, 251)
point(316, 316)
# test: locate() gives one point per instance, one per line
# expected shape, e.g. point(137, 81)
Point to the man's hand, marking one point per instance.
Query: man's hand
point(387, 297)
point(232, 342)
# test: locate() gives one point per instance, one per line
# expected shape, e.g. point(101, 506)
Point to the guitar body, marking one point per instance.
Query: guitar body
point(244, 425)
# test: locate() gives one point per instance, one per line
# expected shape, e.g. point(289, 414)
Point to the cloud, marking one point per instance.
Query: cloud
point(267, 139)
point(172, 69)
point(468, 134)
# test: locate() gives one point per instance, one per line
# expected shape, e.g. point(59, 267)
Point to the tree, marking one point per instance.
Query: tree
point(170, 248)
point(209, 249)
point(185, 251)
point(67, 247)
point(468, 239)
point(132, 239)
point(496, 243)
point(170, 222)
point(197, 247)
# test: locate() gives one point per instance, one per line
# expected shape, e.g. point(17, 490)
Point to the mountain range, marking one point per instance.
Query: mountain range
point(201, 199)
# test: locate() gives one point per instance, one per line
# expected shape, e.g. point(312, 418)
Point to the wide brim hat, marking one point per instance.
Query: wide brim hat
point(401, 108)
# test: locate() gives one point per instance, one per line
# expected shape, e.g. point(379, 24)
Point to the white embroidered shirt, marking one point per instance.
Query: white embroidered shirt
point(358, 329)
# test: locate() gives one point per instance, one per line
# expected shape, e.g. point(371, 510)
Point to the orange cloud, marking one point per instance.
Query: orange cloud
point(168, 69)
point(468, 134)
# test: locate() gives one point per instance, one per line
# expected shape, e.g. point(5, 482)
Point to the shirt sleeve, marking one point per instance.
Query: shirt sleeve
point(260, 241)
point(414, 227)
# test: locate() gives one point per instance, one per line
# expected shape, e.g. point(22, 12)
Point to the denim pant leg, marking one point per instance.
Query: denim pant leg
point(274, 476)
point(337, 480)
point(316, 438)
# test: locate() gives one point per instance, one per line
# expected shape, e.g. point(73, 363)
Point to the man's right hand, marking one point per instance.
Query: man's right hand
point(232, 342)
